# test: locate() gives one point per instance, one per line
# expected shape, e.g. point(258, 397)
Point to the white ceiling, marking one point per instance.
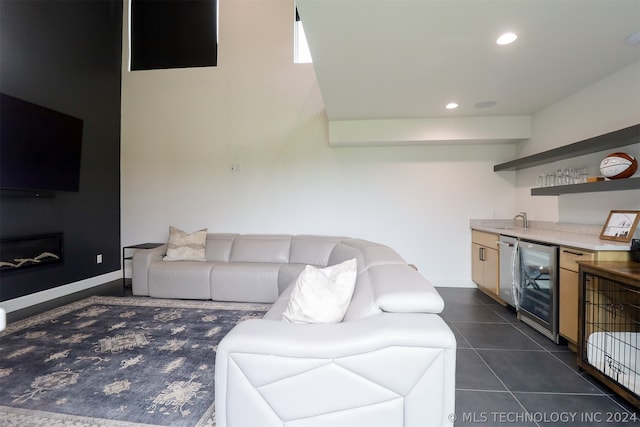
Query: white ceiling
point(406, 59)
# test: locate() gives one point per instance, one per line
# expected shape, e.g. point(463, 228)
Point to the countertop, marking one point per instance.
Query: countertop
point(628, 272)
point(573, 235)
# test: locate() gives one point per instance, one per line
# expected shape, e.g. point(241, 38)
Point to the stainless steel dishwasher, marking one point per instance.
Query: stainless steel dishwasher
point(509, 269)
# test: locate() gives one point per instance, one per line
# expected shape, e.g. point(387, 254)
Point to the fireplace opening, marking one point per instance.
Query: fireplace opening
point(17, 253)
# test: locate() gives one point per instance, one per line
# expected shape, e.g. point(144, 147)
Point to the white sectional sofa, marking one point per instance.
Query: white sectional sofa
point(390, 361)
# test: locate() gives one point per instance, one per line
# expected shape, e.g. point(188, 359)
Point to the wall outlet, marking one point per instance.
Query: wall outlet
point(235, 167)
point(99, 259)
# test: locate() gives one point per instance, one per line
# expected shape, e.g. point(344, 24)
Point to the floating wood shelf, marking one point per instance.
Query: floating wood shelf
point(608, 141)
point(589, 187)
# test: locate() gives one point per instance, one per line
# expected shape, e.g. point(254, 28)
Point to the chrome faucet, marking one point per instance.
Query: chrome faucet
point(523, 215)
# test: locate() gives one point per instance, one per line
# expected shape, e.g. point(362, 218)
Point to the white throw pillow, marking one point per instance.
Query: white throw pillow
point(322, 295)
point(186, 247)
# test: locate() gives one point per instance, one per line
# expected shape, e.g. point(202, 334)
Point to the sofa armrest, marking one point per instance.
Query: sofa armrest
point(402, 289)
point(142, 259)
point(388, 369)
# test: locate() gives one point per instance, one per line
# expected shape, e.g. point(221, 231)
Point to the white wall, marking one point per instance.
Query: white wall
point(609, 105)
point(182, 130)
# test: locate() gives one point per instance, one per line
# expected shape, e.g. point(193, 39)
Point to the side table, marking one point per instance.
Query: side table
point(127, 255)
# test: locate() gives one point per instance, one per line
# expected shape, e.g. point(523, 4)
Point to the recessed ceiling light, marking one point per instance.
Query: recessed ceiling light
point(485, 104)
point(507, 38)
point(452, 106)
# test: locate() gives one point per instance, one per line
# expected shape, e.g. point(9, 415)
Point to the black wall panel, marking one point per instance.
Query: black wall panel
point(66, 55)
point(173, 34)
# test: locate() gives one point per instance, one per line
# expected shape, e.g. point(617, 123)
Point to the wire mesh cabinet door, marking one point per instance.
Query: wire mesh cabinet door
point(609, 330)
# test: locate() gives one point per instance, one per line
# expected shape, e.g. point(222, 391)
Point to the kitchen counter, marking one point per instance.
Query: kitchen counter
point(573, 235)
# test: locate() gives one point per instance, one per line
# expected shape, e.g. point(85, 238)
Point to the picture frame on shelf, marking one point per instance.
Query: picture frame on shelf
point(620, 225)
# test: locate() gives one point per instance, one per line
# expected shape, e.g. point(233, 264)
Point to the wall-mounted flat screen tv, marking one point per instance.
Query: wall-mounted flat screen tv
point(40, 149)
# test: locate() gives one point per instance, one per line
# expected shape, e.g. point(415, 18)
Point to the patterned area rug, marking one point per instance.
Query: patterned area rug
point(110, 361)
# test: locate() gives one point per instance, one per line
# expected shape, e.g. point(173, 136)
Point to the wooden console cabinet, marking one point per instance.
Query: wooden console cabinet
point(568, 286)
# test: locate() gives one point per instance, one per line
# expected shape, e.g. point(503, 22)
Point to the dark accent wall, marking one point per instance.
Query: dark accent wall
point(66, 55)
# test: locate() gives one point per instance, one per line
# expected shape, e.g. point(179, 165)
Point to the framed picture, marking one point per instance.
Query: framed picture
point(620, 225)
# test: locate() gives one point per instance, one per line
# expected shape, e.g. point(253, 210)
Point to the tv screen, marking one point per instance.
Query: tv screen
point(39, 148)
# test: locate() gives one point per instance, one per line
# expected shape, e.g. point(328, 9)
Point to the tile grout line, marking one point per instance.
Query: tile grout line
point(507, 390)
point(603, 391)
point(503, 384)
point(600, 391)
point(541, 348)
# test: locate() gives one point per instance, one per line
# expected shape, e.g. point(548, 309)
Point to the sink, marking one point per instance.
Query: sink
point(514, 230)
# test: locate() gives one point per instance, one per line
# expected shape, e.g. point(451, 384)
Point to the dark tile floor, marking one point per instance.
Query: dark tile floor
point(510, 374)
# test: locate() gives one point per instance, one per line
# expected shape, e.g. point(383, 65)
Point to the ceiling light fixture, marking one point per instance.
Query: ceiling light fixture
point(507, 38)
point(451, 106)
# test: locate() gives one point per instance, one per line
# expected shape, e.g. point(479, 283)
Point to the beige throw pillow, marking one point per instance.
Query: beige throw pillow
point(186, 247)
point(322, 295)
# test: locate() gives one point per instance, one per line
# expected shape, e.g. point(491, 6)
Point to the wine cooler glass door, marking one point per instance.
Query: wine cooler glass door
point(539, 287)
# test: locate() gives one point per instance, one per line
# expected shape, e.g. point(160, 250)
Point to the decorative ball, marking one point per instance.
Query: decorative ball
point(618, 165)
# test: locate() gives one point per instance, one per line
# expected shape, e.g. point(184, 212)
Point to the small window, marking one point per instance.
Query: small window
point(173, 34)
point(301, 54)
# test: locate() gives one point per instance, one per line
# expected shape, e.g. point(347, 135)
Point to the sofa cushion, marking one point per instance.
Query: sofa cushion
point(185, 279)
point(186, 247)
point(312, 250)
point(261, 248)
point(281, 304)
point(401, 289)
point(367, 253)
point(245, 281)
point(218, 247)
point(393, 288)
point(288, 274)
point(343, 252)
point(322, 295)
point(362, 303)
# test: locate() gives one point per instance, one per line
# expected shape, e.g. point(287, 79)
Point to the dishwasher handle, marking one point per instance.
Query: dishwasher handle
point(515, 275)
point(507, 244)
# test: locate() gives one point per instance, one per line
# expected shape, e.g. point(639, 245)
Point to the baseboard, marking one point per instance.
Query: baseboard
point(57, 292)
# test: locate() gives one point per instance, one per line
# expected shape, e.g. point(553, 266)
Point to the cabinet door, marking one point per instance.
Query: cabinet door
point(491, 268)
point(484, 268)
point(476, 264)
point(568, 310)
point(569, 257)
point(485, 239)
